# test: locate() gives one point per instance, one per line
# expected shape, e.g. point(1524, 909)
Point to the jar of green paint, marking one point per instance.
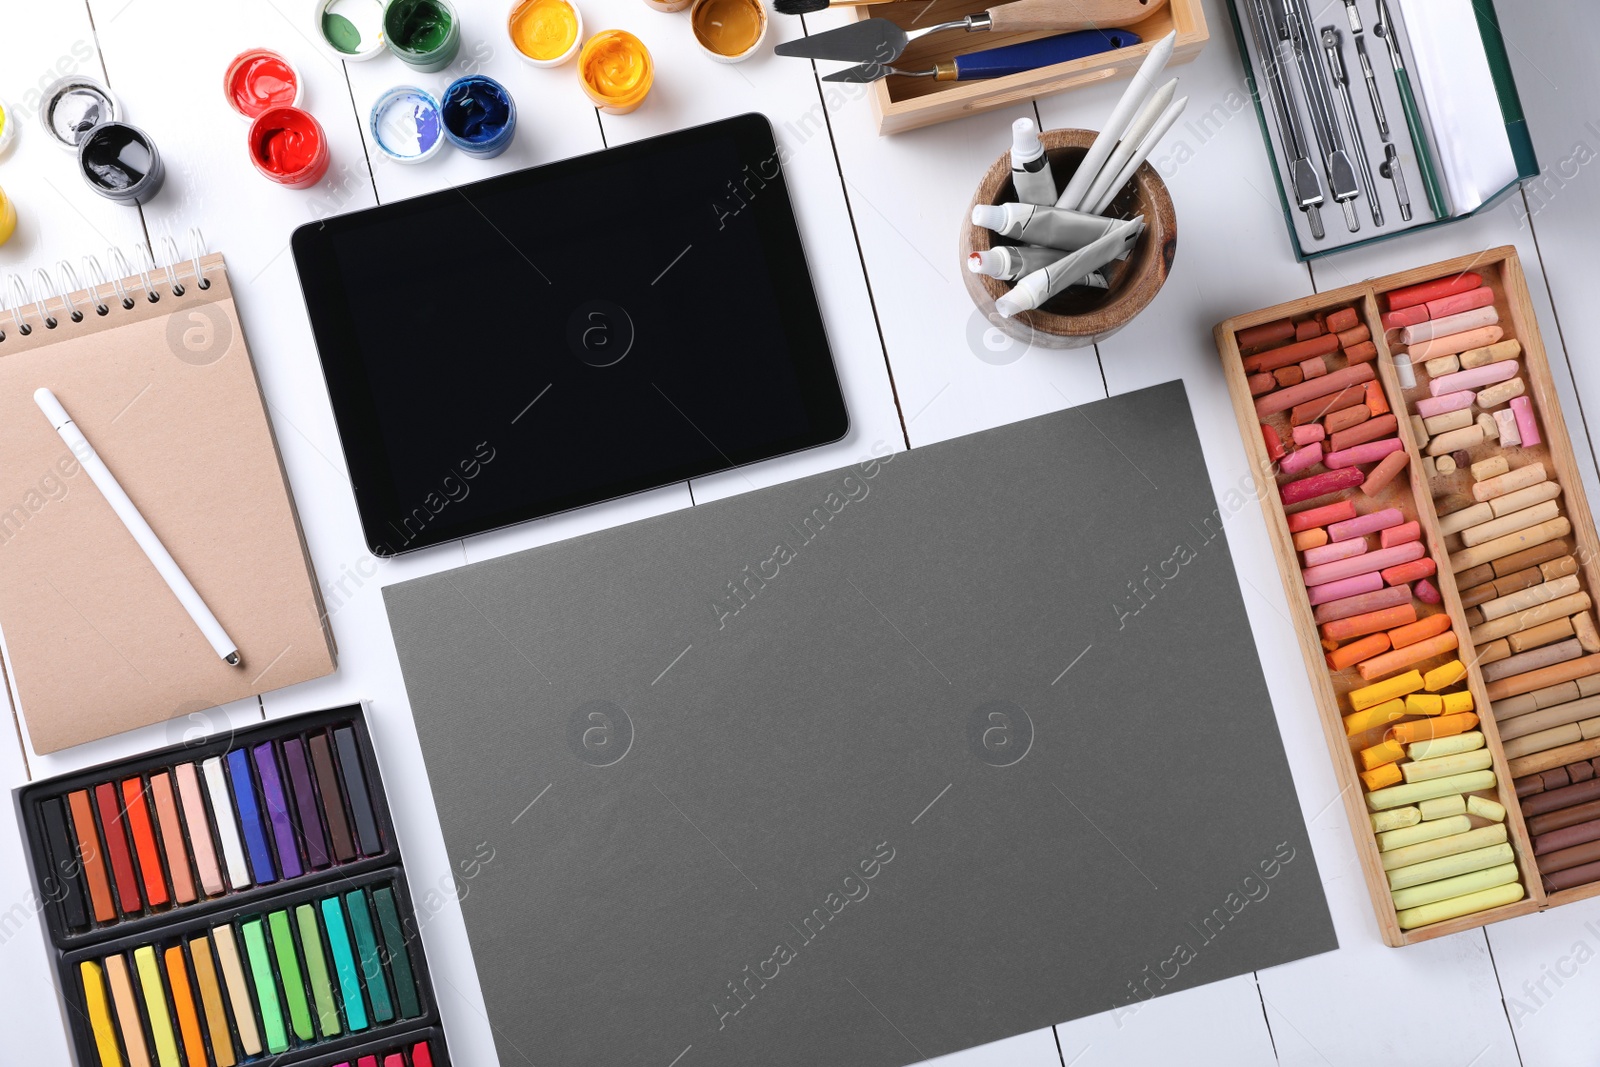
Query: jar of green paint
point(425, 34)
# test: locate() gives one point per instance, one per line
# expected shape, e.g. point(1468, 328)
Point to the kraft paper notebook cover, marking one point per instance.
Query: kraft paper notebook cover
point(95, 642)
point(868, 767)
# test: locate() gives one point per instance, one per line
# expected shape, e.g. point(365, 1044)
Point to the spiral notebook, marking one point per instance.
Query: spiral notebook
point(153, 367)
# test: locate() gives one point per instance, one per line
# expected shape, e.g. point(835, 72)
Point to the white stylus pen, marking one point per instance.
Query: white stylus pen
point(117, 497)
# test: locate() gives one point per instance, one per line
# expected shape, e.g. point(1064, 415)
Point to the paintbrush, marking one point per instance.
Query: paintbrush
point(806, 7)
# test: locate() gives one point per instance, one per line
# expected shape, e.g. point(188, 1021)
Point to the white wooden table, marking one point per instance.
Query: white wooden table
point(880, 220)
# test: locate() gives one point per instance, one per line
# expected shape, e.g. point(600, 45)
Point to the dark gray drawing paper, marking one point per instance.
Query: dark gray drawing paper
point(868, 767)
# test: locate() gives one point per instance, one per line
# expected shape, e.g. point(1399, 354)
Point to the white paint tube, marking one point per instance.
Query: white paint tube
point(1034, 289)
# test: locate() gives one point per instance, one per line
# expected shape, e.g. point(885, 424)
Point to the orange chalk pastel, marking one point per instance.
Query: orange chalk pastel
point(1370, 622)
point(144, 841)
point(1420, 630)
point(1375, 399)
point(1381, 777)
point(1356, 651)
point(1426, 729)
point(1313, 538)
point(1401, 658)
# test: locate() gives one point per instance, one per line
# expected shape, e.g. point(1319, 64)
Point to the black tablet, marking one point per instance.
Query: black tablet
point(570, 333)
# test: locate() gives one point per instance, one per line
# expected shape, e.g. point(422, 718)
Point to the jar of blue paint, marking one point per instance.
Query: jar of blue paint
point(480, 118)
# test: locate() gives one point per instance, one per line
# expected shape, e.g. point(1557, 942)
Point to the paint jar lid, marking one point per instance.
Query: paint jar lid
point(73, 106)
point(8, 126)
point(406, 124)
point(260, 79)
point(350, 29)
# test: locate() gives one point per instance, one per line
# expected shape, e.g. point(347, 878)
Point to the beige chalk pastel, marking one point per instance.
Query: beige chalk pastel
point(1500, 393)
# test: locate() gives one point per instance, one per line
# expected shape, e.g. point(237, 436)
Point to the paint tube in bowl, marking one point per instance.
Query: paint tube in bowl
point(1054, 227)
point(479, 116)
point(1032, 290)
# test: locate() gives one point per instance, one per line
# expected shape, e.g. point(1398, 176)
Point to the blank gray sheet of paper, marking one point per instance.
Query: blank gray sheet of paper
point(867, 767)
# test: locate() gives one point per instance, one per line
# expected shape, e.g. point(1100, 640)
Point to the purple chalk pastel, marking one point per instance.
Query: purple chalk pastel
point(1310, 432)
point(1370, 452)
point(1363, 564)
point(1301, 458)
point(1476, 378)
point(1426, 592)
point(1527, 427)
point(1428, 407)
point(1346, 587)
point(1362, 525)
point(277, 811)
point(1336, 551)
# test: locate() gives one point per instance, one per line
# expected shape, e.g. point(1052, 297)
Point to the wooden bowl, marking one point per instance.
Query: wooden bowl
point(1078, 316)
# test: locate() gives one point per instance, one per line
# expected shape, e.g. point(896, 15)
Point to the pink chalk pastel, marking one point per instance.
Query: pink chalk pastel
point(1334, 552)
point(1466, 320)
point(1370, 452)
point(1365, 524)
point(1476, 378)
point(1400, 535)
point(1346, 587)
point(1365, 563)
point(1430, 406)
point(1311, 431)
point(1302, 458)
point(1361, 603)
point(1426, 592)
point(1527, 427)
point(1315, 367)
point(1482, 296)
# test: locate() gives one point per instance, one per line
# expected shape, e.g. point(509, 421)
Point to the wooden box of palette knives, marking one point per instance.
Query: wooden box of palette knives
point(905, 103)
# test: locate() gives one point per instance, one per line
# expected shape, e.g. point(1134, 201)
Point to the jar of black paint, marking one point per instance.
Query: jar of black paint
point(120, 162)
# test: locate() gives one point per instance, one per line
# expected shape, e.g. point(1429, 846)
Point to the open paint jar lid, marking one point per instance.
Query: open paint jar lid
point(406, 124)
point(73, 106)
point(350, 29)
point(258, 80)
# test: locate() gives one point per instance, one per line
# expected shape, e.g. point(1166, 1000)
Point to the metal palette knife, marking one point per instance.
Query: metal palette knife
point(877, 40)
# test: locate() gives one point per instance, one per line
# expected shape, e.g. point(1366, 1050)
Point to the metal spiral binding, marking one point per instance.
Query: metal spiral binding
point(17, 296)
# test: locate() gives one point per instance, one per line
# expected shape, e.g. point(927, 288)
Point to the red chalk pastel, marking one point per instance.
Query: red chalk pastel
point(1394, 320)
point(1409, 572)
point(1399, 535)
point(1320, 485)
point(1427, 592)
point(1434, 290)
point(1305, 331)
point(1342, 320)
point(1480, 297)
point(1306, 520)
point(1370, 430)
point(1273, 442)
point(1268, 333)
point(1261, 383)
point(1295, 353)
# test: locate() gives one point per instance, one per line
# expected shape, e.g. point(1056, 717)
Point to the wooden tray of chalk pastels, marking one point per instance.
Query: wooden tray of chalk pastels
point(1514, 562)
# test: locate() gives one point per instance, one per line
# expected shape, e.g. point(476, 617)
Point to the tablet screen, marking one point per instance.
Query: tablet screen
point(570, 333)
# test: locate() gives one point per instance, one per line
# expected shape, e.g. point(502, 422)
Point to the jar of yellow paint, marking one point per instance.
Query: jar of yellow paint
point(616, 71)
point(8, 218)
point(546, 33)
